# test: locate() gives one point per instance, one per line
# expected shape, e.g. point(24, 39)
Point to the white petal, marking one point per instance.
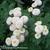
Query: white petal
point(8, 41)
point(37, 36)
point(38, 23)
point(30, 9)
point(8, 21)
point(39, 29)
point(12, 27)
point(36, 11)
point(25, 19)
point(34, 4)
point(18, 8)
point(10, 12)
point(39, 2)
point(15, 42)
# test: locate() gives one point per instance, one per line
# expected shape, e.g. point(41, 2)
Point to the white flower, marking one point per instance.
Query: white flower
point(18, 8)
point(39, 2)
point(8, 21)
point(23, 30)
point(37, 36)
point(10, 12)
point(36, 11)
point(12, 27)
point(15, 19)
point(8, 41)
point(30, 9)
point(34, 4)
point(38, 23)
point(25, 19)
point(39, 29)
point(21, 39)
point(45, 30)
point(17, 32)
point(15, 42)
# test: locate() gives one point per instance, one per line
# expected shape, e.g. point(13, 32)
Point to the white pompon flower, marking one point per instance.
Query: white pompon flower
point(39, 2)
point(25, 19)
point(17, 32)
point(10, 12)
point(8, 21)
point(39, 29)
point(17, 13)
point(8, 41)
point(38, 23)
point(15, 42)
point(34, 4)
point(23, 30)
point(30, 9)
point(37, 36)
point(12, 27)
point(36, 11)
point(45, 30)
point(22, 38)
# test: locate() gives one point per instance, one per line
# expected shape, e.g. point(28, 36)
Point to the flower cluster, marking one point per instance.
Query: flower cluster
point(16, 24)
point(35, 11)
point(40, 29)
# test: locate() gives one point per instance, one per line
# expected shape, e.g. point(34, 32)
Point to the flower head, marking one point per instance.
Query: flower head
point(25, 19)
point(39, 29)
point(36, 11)
point(8, 41)
point(30, 9)
point(37, 36)
point(45, 30)
point(15, 42)
point(8, 21)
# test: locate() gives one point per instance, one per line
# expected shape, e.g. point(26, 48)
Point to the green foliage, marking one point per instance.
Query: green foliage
point(31, 42)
